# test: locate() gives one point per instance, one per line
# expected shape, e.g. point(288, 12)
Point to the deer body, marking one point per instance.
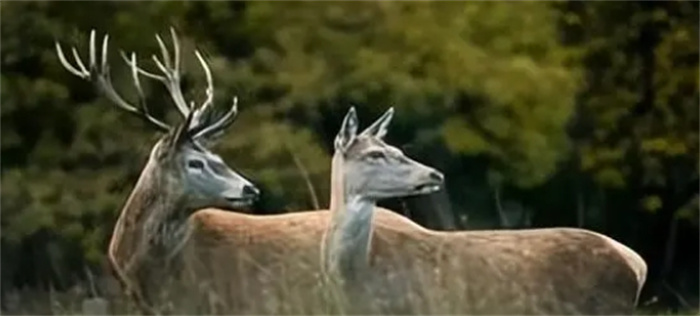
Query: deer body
point(536, 271)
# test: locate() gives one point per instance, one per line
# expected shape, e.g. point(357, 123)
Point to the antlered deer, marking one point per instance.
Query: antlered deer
point(181, 174)
point(173, 257)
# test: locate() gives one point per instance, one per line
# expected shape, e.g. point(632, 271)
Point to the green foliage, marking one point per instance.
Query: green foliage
point(373, 54)
point(265, 149)
point(640, 102)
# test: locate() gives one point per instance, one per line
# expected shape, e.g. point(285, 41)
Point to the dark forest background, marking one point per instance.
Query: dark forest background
point(541, 114)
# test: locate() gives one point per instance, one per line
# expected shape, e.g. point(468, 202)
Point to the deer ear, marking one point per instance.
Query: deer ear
point(347, 132)
point(379, 128)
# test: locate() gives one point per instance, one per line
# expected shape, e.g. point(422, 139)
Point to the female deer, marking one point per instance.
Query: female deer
point(538, 271)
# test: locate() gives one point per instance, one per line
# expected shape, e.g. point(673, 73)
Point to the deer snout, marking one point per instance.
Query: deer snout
point(436, 176)
point(250, 191)
point(430, 181)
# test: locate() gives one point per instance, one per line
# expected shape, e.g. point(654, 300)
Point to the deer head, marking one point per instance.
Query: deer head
point(180, 159)
point(375, 170)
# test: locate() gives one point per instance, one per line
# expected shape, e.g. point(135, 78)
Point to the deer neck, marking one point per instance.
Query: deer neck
point(347, 239)
point(151, 227)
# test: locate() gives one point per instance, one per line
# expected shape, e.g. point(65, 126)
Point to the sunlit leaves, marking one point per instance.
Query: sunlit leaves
point(468, 141)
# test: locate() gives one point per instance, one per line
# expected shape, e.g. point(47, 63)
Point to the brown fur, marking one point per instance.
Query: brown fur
point(269, 264)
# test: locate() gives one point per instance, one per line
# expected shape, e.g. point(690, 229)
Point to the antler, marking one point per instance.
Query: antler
point(171, 72)
point(202, 124)
point(206, 129)
point(101, 76)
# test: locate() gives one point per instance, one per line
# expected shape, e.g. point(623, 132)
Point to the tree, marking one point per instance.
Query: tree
point(636, 131)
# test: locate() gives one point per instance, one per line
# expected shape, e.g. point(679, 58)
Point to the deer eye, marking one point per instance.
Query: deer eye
point(376, 155)
point(197, 164)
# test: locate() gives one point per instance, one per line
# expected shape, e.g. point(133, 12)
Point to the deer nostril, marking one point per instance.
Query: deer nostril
point(250, 190)
point(437, 176)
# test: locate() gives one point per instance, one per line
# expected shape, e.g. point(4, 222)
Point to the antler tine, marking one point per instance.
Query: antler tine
point(201, 115)
point(210, 83)
point(101, 76)
point(82, 73)
point(176, 44)
point(172, 75)
point(141, 70)
point(135, 75)
point(78, 61)
point(171, 72)
point(92, 48)
point(222, 123)
point(137, 84)
point(164, 52)
point(198, 119)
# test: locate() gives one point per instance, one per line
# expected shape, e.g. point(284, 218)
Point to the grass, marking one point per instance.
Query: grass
point(71, 302)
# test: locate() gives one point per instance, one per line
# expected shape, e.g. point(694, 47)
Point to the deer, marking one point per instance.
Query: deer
point(529, 271)
point(181, 174)
point(180, 245)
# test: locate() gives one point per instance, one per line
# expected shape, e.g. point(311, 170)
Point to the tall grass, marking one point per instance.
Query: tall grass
point(46, 302)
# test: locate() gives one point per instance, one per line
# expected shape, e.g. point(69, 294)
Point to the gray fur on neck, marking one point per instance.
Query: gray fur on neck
point(350, 242)
point(154, 225)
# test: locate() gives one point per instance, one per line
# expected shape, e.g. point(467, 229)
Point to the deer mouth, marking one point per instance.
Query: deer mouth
point(241, 201)
point(426, 188)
